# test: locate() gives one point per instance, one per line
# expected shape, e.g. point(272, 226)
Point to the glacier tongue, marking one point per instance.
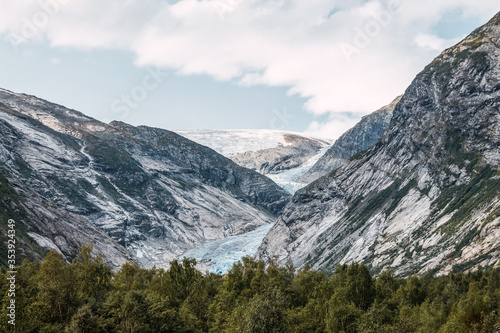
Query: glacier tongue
point(219, 256)
point(289, 179)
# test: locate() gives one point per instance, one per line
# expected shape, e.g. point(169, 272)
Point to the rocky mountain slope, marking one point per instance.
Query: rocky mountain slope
point(362, 136)
point(282, 156)
point(426, 197)
point(134, 192)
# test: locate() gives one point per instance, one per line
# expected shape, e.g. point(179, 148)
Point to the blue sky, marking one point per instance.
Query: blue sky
point(313, 67)
point(91, 81)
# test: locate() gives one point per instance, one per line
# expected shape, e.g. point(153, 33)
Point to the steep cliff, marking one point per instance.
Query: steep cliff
point(426, 197)
point(361, 137)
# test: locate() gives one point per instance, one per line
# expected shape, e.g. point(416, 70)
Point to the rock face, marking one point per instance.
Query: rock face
point(282, 156)
point(362, 136)
point(134, 192)
point(426, 197)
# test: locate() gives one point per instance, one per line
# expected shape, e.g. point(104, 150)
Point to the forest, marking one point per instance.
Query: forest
point(87, 296)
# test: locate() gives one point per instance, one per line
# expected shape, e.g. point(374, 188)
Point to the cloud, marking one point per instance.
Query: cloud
point(430, 42)
point(334, 126)
point(343, 56)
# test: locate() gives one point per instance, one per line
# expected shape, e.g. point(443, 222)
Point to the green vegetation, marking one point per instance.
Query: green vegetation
point(127, 173)
point(23, 167)
point(400, 194)
point(457, 155)
point(360, 212)
point(360, 155)
point(363, 213)
point(464, 199)
point(86, 296)
point(444, 67)
point(109, 157)
point(109, 188)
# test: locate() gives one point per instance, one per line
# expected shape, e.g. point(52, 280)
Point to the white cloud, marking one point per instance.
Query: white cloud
point(342, 55)
point(431, 42)
point(55, 61)
point(334, 127)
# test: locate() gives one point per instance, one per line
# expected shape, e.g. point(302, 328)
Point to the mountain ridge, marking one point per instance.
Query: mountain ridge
point(426, 196)
point(154, 193)
point(360, 137)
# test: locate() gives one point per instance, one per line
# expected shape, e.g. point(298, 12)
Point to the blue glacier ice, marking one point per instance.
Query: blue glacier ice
point(219, 256)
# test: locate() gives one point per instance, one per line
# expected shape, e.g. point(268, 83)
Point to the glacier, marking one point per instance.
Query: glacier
point(235, 143)
point(289, 179)
point(220, 255)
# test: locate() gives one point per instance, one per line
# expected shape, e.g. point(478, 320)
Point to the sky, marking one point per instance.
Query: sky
point(314, 66)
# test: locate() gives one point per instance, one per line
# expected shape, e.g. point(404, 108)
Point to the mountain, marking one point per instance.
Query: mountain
point(134, 192)
point(426, 197)
point(362, 136)
point(282, 156)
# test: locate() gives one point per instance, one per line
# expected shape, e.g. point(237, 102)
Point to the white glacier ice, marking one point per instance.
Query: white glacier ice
point(232, 142)
point(219, 256)
point(289, 179)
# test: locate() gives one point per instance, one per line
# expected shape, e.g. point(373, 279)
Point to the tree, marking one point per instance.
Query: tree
point(412, 292)
point(85, 321)
point(131, 276)
point(267, 313)
point(379, 318)
point(183, 276)
point(195, 309)
point(343, 314)
point(359, 283)
point(92, 274)
point(56, 299)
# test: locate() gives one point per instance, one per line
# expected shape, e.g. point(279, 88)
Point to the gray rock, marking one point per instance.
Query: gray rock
point(135, 192)
point(362, 136)
point(398, 205)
